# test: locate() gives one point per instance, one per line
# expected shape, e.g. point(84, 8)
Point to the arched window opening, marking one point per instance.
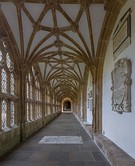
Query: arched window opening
point(8, 88)
point(33, 97)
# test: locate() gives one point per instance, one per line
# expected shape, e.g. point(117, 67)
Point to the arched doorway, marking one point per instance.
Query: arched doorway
point(67, 106)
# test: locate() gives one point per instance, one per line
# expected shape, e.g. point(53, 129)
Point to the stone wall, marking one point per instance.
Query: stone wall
point(119, 127)
point(11, 138)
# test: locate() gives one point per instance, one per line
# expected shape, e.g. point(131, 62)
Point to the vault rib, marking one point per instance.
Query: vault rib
point(19, 16)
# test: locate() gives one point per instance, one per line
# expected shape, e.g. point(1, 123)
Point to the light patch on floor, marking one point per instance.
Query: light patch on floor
point(61, 140)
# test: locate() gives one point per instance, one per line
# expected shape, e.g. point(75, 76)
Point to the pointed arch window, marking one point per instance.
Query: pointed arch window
point(8, 88)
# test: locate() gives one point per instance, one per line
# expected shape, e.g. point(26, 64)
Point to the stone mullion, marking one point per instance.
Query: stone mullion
point(84, 103)
point(8, 114)
point(22, 103)
point(55, 105)
point(29, 117)
point(33, 102)
point(47, 107)
point(15, 113)
point(79, 104)
point(26, 120)
point(36, 110)
point(51, 103)
point(44, 101)
point(17, 103)
point(42, 106)
point(8, 100)
point(29, 108)
point(33, 110)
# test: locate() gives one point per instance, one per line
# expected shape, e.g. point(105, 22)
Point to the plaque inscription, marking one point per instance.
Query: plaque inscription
point(121, 86)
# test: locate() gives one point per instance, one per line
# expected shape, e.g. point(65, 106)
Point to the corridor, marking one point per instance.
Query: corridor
point(33, 153)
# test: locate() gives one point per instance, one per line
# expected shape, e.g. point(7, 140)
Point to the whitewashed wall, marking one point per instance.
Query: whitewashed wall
point(120, 128)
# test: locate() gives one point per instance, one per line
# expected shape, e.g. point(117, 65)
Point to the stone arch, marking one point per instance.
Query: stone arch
point(112, 13)
point(68, 104)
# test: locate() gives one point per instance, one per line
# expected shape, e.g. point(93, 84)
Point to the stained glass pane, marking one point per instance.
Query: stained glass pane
point(4, 81)
point(12, 113)
point(8, 60)
point(4, 113)
point(12, 84)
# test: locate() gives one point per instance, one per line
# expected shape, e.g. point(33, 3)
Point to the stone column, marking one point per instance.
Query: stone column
point(22, 104)
point(43, 104)
point(8, 114)
point(84, 103)
point(97, 103)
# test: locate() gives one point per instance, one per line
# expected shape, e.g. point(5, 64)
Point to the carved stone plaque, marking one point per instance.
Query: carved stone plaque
point(121, 86)
point(122, 34)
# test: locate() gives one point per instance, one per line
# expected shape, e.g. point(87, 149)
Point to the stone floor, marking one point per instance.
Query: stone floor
point(31, 153)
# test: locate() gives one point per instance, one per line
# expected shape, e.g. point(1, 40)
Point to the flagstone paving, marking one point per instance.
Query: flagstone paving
point(33, 153)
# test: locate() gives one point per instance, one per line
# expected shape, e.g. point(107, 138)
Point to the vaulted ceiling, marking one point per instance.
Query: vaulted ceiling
point(59, 36)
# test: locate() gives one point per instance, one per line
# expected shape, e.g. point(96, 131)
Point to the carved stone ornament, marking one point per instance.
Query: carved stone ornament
point(121, 86)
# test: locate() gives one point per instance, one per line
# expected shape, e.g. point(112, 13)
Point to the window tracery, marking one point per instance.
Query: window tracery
point(8, 89)
point(33, 97)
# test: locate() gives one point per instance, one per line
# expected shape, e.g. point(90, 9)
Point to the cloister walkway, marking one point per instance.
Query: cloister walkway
point(33, 153)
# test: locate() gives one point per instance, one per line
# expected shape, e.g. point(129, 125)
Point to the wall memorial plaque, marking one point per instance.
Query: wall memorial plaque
point(121, 86)
point(122, 34)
